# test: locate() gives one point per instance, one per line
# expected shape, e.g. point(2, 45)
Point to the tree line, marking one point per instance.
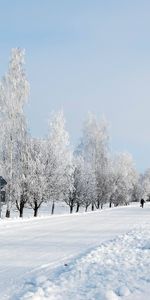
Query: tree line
point(48, 170)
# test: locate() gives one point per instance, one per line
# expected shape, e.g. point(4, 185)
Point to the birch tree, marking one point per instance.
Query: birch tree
point(145, 185)
point(59, 160)
point(84, 192)
point(14, 90)
point(37, 179)
point(94, 147)
point(125, 177)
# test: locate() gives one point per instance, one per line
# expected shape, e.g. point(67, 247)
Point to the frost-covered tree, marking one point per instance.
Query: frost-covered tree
point(89, 187)
point(124, 178)
point(60, 166)
point(14, 90)
point(79, 177)
point(145, 185)
point(22, 173)
point(37, 184)
point(138, 189)
point(84, 191)
point(94, 147)
point(39, 170)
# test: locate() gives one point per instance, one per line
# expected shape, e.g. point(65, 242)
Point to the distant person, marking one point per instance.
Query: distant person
point(142, 202)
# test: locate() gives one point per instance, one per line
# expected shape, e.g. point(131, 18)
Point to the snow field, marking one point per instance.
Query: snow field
point(117, 269)
point(36, 254)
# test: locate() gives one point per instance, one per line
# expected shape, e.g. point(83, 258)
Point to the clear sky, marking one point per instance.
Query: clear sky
point(85, 56)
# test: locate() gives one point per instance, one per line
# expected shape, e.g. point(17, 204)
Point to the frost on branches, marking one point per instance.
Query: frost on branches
point(47, 170)
point(14, 89)
point(94, 148)
point(123, 179)
point(59, 161)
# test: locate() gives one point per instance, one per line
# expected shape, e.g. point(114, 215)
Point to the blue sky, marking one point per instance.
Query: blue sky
point(85, 56)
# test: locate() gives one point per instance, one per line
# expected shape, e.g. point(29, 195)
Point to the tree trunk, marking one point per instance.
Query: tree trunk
point(86, 207)
point(35, 209)
point(53, 208)
point(7, 213)
point(21, 209)
point(110, 204)
point(92, 206)
point(98, 204)
point(78, 206)
point(71, 209)
point(101, 205)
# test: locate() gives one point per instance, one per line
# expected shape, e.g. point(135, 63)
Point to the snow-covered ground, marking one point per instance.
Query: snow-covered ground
point(97, 255)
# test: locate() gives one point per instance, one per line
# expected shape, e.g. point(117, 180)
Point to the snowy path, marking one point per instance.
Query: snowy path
point(118, 269)
point(33, 247)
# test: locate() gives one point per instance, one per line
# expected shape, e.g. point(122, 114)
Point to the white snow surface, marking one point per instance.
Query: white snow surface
point(103, 255)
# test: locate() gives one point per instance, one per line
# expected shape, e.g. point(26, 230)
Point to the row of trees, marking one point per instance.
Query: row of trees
point(47, 170)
